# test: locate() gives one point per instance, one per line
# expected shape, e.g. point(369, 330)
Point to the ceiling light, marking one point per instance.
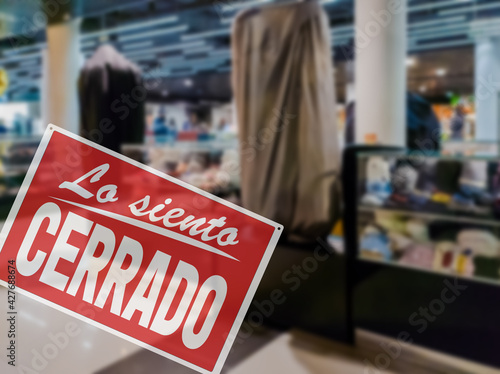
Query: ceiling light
point(148, 34)
point(23, 57)
point(240, 5)
point(220, 52)
point(190, 51)
point(206, 34)
point(30, 48)
point(410, 61)
point(144, 57)
point(437, 22)
point(413, 47)
point(433, 5)
point(127, 47)
point(28, 63)
point(467, 9)
point(224, 69)
point(441, 72)
point(88, 44)
point(167, 48)
point(136, 25)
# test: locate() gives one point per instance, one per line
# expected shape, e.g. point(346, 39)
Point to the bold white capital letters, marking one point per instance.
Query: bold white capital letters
point(53, 213)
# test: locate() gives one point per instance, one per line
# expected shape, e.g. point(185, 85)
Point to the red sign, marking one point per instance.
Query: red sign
point(134, 251)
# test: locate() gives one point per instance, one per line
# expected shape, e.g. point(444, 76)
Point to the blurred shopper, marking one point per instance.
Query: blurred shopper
point(223, 126)
point(423, 128)
point(191, 123)
point(194, 124)
point(457, 123)
point(159, 124)
point(172, 125)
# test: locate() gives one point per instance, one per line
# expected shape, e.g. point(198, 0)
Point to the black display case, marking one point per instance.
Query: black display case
point(423, 240)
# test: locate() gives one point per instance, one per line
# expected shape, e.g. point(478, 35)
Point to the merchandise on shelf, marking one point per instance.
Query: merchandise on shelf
point(472, 195)
point(375, 244)
point(432, 184)
point(421, 255)
point(404, 181)
point(446, 247)
point(378, 185)
point(433, 213)
point(213, 167)
point(445, 253)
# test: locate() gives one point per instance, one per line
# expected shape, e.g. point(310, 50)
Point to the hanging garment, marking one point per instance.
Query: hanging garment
point(112, 99)
point(285, 102)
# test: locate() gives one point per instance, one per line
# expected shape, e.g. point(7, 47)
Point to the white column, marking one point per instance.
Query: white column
point(487, 88)
point(61, 68)
point(380, 53)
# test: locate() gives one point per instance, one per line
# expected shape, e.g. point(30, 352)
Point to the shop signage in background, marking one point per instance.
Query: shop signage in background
point(147, 257)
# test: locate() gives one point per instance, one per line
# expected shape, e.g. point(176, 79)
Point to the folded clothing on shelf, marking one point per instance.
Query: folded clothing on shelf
point(426, 181)
point(399, 242)
point(419, 255)
point(404, 181)
point(417, 230)
point(474, 173)
point(377, 185)
point(390, 221)
point(480, 242)
point(477, 204)
point(473, 196)
point(375, 244)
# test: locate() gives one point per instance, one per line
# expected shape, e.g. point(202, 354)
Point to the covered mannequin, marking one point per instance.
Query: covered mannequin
point(285, 103)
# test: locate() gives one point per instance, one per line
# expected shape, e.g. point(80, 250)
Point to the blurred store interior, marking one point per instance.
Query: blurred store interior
point(369, 128)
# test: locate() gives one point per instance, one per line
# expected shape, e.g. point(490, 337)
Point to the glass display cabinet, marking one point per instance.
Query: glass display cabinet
point(422, 238)
point(433, 213)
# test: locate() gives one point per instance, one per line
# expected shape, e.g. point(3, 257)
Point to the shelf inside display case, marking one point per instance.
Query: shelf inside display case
point(434, 184)
point(163, 142)
point(457, 248)
point(437, 214)
point(429, 215)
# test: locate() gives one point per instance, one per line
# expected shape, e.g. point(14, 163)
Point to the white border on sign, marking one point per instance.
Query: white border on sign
point(278, 229)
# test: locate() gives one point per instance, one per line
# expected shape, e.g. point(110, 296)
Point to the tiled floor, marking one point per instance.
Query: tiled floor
point(296, 352)
point(264, 352)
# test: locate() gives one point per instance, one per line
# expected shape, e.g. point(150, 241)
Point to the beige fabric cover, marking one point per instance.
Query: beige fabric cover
point(285, 102)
